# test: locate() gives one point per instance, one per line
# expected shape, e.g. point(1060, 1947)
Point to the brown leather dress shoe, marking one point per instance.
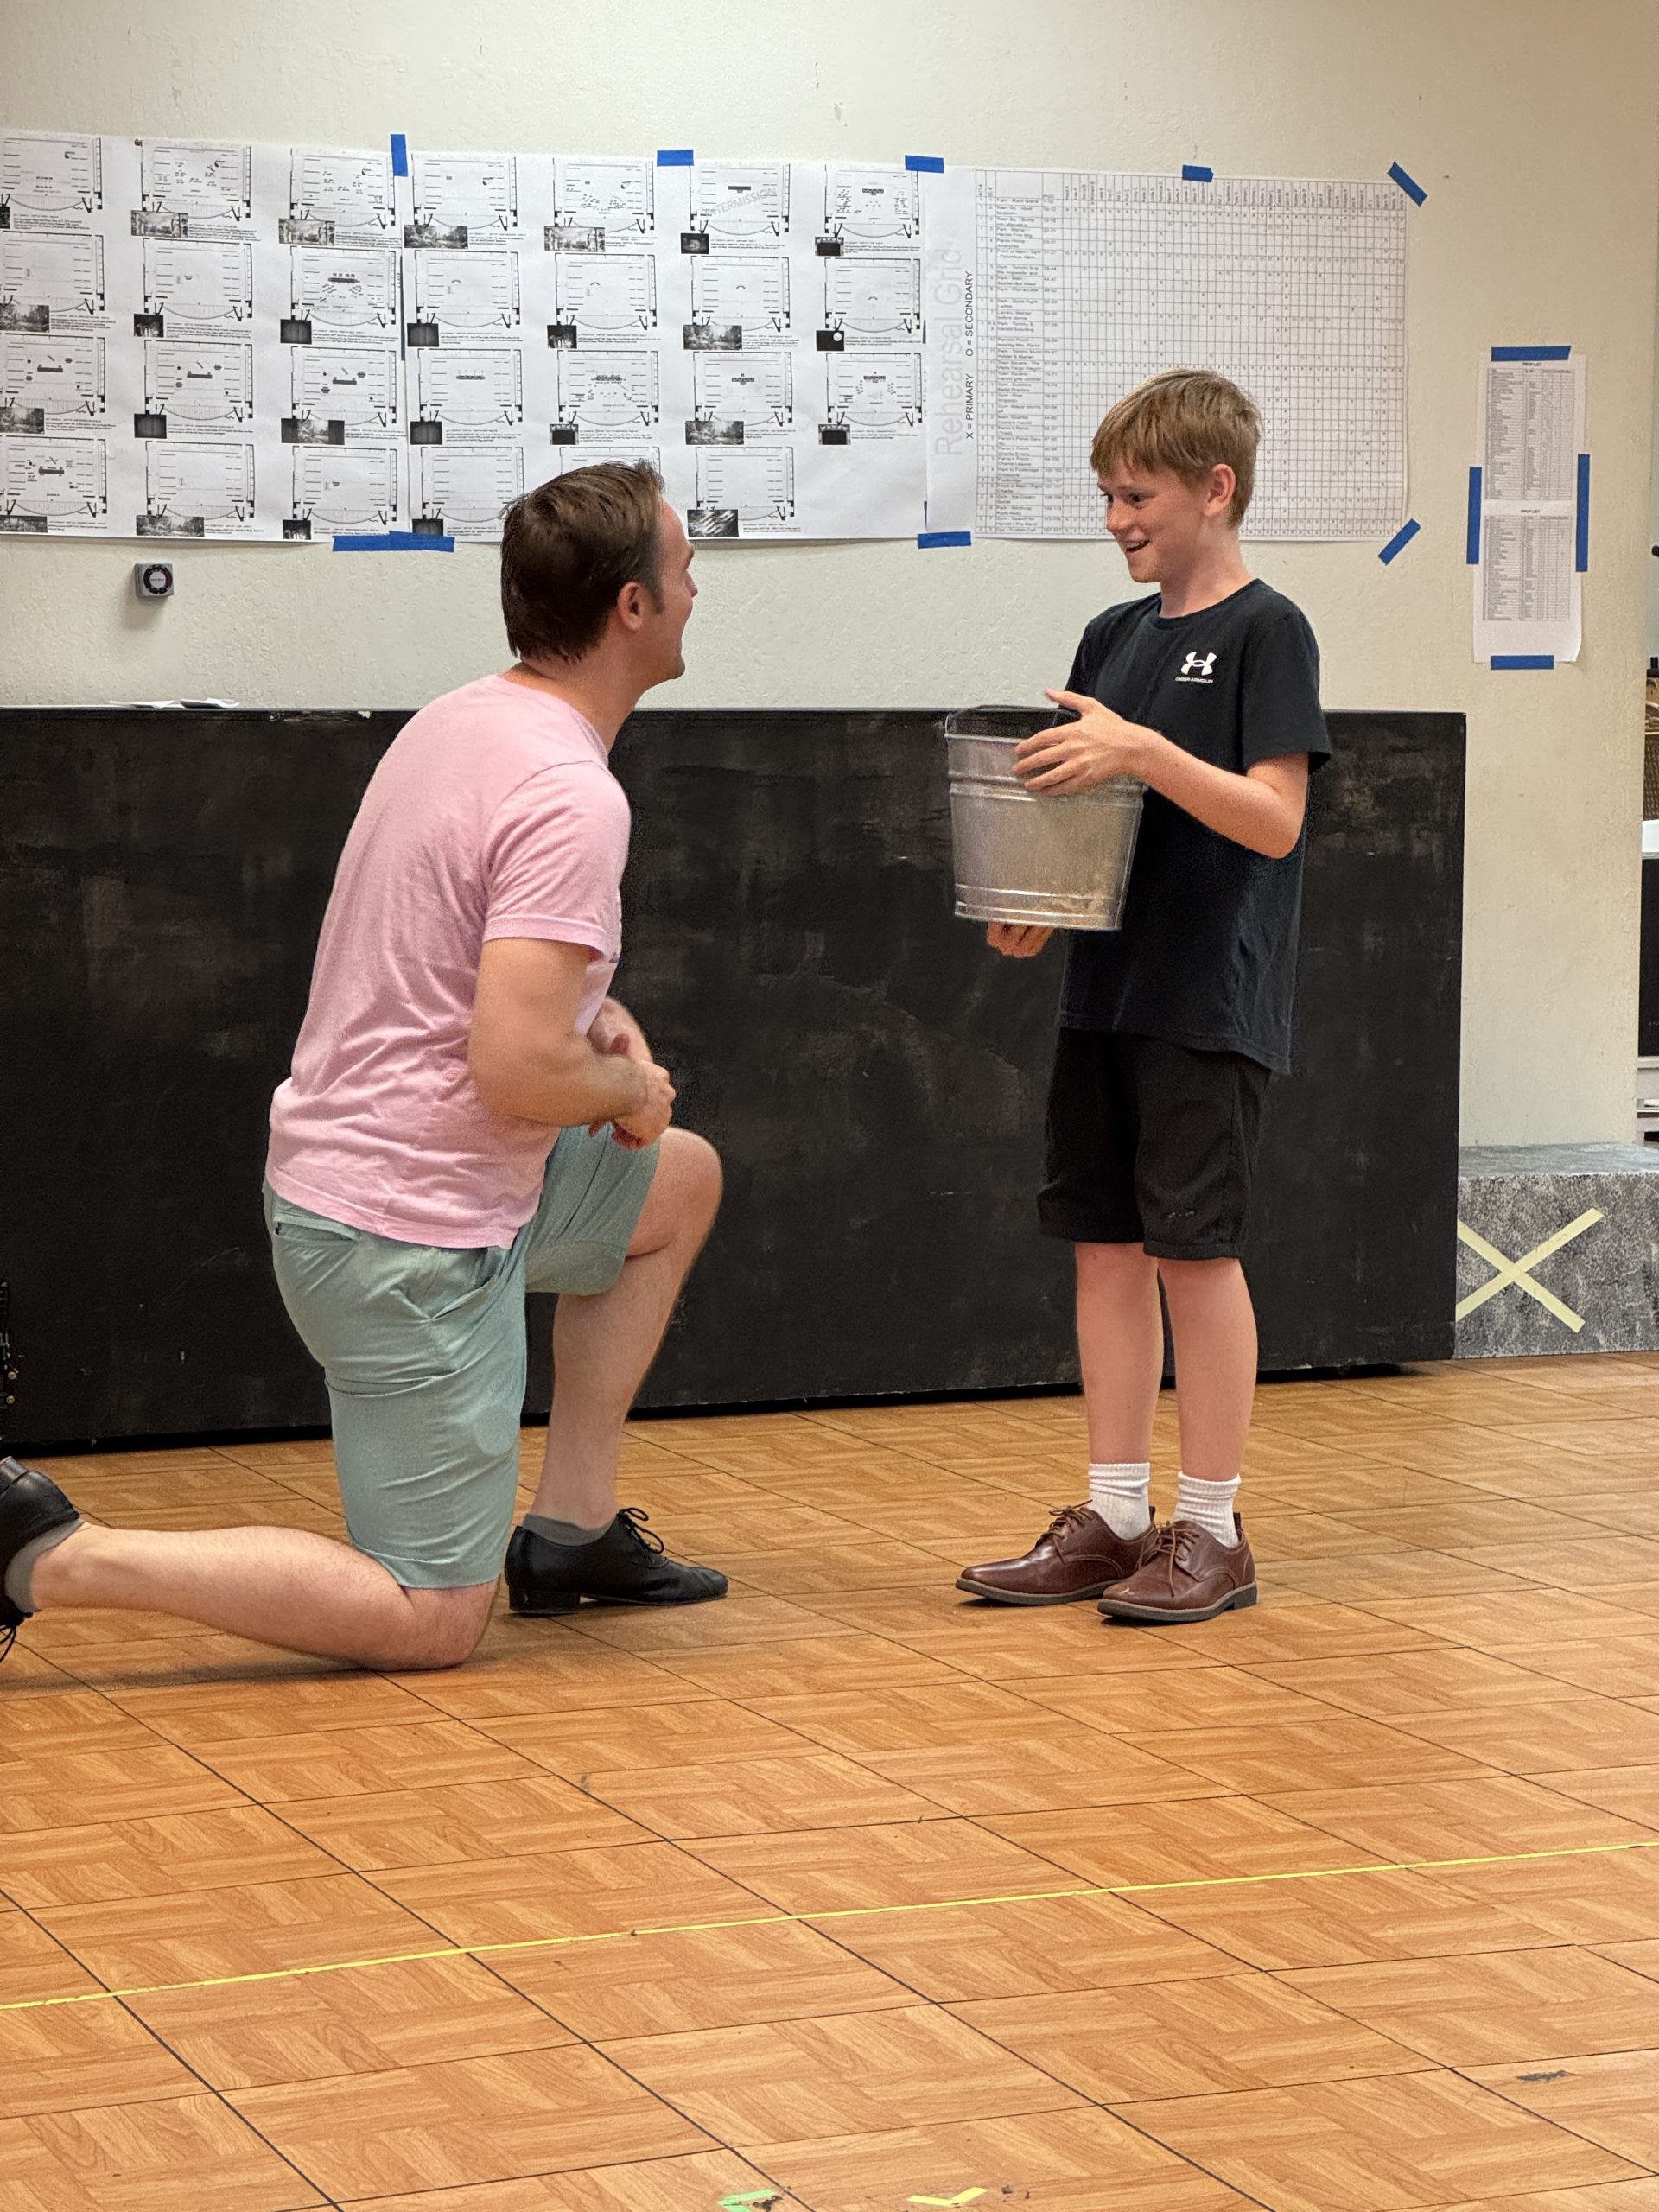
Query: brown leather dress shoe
point(1185, 1576)
point(1076, 1556)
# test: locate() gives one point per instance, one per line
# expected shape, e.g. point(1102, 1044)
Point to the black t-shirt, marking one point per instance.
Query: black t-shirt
point(1206, 955)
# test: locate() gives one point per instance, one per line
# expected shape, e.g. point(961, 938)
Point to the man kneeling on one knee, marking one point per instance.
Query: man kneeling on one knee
point(469, 1116)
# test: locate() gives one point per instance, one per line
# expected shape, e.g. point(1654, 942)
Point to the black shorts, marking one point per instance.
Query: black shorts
point(1151, 1144)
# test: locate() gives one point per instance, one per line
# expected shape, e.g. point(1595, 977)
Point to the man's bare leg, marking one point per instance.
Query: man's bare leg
point(603, 1346)
point(285, 1586)
point(298, 1590)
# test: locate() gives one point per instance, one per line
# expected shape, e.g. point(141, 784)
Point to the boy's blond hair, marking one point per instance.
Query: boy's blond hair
point(1186, 420)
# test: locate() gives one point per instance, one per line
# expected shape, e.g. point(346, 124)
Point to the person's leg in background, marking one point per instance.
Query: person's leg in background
point(286, 1587)
point(424, 1362)
point(1201, 1113)
point(1213, 1322)
point(1088, 1201)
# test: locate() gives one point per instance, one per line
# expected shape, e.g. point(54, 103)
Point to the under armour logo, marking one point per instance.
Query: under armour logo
point(1197, 664)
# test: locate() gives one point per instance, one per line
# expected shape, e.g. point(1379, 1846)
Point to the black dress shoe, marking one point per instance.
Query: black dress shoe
point(31, 1505)
point(625, 1567)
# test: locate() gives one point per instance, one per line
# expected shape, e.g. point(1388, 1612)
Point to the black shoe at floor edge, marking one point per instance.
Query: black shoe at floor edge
point(31, 1505)
point(627, 1566)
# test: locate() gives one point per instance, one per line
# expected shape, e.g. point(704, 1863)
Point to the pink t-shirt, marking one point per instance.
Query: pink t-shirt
point(494, 814)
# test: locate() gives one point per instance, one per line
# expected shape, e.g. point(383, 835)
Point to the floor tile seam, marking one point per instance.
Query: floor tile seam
point(484, 1742)
point(1568, 2058)
point(1545, 1705)
point(1548, 1942)
point(777, 1916)
point(938, 2005)
point(1649, 1840)
point(222, 2099)
point(1639, 2171)
point(1381, 1719)
point(945, 2007)
point(684, 1839)
point(104, 1993)
point(231, 1744)
point(909, 1650)
point(586, 2043)
point(1521, 1951)
point(1370, 1605)
point(1144, 1741)
point(1538, 1672)
point(1209, 1788)
point(1419, 2064)
point(472, 1722)
point(167, 1742)
point(1076, 2089)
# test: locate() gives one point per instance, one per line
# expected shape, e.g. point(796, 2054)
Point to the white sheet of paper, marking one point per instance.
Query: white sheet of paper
point(1528, 596)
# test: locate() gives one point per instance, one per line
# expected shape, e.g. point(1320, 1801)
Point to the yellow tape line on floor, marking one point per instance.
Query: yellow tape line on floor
point(837, 1912)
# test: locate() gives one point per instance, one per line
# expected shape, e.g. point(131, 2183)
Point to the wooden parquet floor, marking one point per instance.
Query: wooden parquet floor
point(848, 1894)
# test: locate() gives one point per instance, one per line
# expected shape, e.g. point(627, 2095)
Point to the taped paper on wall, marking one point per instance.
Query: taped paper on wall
point(1531, 426)
point(286, 342)
point(1053, 293)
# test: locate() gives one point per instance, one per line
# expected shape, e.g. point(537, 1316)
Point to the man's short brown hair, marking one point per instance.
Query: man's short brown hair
point(1186, 420)
point(567, 549)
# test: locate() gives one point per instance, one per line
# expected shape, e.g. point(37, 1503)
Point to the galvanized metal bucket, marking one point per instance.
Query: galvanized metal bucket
point(1057, 861)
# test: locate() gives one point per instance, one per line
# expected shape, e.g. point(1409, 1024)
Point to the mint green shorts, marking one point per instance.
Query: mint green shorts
point(422, 1349)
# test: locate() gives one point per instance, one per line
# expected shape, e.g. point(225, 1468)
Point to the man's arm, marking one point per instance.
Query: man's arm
point(612, 1023)
point(528, 1059)
point(1261, 809)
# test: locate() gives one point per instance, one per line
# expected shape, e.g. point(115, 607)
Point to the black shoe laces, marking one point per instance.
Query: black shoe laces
point(8, 1638)
point(634, 1516)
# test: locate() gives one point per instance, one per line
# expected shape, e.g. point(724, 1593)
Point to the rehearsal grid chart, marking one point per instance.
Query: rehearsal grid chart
point(1087, 285)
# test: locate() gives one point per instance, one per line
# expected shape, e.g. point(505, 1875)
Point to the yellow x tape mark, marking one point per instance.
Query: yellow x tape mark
point(967, 2196)
point(1516, 1271)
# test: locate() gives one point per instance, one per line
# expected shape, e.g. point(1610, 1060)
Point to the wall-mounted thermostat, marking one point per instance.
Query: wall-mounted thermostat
point(153, 579)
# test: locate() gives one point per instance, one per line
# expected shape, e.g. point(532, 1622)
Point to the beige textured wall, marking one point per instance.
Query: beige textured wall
point(1533, 128)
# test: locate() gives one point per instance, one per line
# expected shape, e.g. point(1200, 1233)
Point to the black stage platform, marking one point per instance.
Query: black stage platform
point(873, 1076)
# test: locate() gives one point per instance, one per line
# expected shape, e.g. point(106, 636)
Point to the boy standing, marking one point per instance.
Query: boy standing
point(1170, 1027)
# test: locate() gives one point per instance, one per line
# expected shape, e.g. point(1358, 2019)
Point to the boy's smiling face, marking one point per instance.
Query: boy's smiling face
point(1162, 526)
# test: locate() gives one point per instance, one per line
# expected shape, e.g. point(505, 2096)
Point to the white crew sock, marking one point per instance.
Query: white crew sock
point(1210, 1504)
point(1117, 1492)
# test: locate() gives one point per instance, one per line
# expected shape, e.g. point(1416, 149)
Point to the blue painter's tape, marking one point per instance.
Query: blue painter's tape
point(1581, 556)
point(931, 164)
point(1196, 173)
point(927, 539)
point(1398, 543)
point(395, 541)
point(1523, 660)
point(1408, 184)
point(1473, 553)
point(399, 154)
point(1531, 353)
point(673, 157)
